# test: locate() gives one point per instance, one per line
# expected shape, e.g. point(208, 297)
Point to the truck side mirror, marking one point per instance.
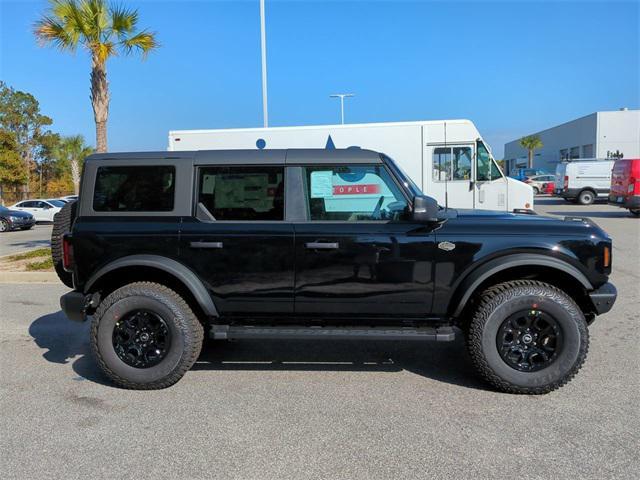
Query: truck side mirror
point(425, 209)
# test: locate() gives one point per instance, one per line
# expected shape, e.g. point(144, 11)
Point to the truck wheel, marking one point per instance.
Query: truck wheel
point(144, 336)
point(61, 225)
point(527, 337)
point(586, 197)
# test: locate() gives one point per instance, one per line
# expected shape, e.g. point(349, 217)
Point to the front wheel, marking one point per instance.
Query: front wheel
point(635, 211)
point(527, 337)
point(4, 225)
point(144, 336)
point(536, 191)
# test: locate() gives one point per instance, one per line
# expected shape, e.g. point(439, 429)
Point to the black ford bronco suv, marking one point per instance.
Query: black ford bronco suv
point(163, 248)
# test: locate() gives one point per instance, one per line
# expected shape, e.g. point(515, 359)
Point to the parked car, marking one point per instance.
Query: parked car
point(548, 188)
point(537, 182)
point(69, 198)
point(583, 181)
point(42, 210)
point(522, 174)
point(358, 253)
point(15, 220)
point(625, 185)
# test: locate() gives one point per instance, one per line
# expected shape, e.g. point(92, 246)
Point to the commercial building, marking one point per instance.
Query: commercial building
point(598, 135)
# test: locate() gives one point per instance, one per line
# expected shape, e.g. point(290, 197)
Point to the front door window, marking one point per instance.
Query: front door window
point(486, 169)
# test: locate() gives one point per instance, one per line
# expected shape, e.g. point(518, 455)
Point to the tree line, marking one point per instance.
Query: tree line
point(34, 161)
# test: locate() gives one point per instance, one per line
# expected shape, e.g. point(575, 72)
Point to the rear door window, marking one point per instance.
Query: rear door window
point(253, 193)
point(134, 189)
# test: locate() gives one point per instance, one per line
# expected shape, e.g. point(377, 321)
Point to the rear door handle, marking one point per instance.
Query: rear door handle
point(206, 245)
point(322, 245)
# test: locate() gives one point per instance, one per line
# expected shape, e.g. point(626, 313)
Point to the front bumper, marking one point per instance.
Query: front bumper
point(603, 298)
point(21, 222)
point(625, 201)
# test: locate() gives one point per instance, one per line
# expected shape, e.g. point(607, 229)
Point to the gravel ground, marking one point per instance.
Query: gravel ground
point(275, 409)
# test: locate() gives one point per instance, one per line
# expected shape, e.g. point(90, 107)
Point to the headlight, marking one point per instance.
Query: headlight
point(14, 219)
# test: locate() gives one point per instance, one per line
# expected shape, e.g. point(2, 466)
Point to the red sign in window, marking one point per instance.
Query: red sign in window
point(363, 189)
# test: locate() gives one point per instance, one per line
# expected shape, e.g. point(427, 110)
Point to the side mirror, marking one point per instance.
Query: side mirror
point(425, 209)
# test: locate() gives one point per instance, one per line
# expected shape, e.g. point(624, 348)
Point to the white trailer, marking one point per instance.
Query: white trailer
point(447, 159)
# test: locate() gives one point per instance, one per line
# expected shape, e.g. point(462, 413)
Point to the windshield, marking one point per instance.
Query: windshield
point(407, 183)
point(56, 203)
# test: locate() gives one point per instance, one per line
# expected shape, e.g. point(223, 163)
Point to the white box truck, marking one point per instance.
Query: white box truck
point(584, 181)
point(447, 159)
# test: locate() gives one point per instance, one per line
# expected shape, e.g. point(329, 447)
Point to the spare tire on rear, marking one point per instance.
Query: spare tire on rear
point(62, 222)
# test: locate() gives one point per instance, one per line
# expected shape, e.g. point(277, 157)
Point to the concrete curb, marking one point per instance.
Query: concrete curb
point(29, 277)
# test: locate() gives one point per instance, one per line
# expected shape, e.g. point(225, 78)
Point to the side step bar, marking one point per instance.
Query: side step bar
point(439, 334)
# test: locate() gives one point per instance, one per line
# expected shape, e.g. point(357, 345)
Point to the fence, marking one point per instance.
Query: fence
point(9, 197)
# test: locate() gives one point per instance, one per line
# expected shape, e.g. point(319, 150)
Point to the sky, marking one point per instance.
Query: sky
point(512, 67)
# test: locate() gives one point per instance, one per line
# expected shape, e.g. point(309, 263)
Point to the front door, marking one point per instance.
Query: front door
point(238, 241)
point(358, 254)
point(490, 185)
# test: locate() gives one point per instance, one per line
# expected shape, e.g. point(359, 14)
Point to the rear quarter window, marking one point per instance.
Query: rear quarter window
point(134, 189)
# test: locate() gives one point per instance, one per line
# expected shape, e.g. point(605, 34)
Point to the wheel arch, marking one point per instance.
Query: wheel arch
point(156, 268)
point(521, 266)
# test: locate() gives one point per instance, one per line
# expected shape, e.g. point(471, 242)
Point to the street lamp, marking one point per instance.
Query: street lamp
point(263, 47)
point(341, 96)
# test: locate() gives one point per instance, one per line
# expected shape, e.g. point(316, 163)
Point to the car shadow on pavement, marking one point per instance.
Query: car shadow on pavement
point(444, 362)
point(65, 341)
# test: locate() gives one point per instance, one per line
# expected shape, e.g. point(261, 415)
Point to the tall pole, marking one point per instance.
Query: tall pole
point(341, 96)
point(263, 45)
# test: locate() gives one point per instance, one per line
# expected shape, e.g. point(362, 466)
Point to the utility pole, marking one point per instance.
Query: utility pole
point(263, 46)
point(341, 96)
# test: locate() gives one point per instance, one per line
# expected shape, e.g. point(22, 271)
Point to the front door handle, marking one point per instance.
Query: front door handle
point(206, 245)
point(322, 245)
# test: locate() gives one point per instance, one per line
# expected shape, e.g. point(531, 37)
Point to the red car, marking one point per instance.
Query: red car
point(625, 185)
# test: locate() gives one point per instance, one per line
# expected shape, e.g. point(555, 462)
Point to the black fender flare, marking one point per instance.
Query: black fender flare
point(177, 269)
point(474, 279)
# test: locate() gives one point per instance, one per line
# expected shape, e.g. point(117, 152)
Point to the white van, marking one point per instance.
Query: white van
point(583, 181)
point(447, 159)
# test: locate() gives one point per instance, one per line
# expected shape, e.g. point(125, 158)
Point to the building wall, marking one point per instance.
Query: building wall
point(619, 131)
point(573, 138)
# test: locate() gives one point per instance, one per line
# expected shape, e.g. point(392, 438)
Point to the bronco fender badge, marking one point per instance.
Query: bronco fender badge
point(446, 246)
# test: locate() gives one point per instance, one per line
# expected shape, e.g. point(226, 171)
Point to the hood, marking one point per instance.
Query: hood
point(507, 222)
point(16, 213)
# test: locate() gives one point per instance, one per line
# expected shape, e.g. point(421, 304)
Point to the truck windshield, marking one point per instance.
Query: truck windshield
point(486, 168)
point(407, 183)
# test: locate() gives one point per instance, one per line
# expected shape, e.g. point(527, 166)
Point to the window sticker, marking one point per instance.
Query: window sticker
point(321, 184)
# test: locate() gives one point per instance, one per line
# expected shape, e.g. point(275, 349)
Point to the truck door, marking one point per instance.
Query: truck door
point(490, 187)
point(450, 178)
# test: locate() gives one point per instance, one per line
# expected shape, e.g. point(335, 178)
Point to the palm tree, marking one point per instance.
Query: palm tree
point(105, 30)
point(73, 150)
point(531, 143)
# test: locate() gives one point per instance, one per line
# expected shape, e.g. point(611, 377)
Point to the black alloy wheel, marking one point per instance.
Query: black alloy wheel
point(529, 340)
point(141, 338)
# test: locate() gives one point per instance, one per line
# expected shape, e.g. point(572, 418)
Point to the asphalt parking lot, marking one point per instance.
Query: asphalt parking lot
point(278, 409)
point(22, 240)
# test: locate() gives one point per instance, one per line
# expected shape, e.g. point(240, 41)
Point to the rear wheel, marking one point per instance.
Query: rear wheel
point(536, 191)
point(527, 337)
point(586, 197)
point(144, 336)
point(62, 224)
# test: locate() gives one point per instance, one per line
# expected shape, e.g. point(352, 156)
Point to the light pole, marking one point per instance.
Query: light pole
point(263, 46)
point(341, 96)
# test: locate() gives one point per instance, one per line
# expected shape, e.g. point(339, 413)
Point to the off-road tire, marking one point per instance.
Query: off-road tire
point(498, 303)
point(586, 197)
point(62, 224)
point(186, 335)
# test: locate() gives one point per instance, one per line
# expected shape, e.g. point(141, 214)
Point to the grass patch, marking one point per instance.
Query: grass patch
point(39, 252)
point(41, 265)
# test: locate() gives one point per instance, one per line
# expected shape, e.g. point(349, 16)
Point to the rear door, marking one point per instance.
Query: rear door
point(357, 254)
point(238, 241)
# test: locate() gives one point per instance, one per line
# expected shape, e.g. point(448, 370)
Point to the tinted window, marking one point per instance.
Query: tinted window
point(352, 193)
point(486, 169)
point(243, 193)
point(134, 189)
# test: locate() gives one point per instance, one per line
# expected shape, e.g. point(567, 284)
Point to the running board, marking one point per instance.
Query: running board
point(440, 334)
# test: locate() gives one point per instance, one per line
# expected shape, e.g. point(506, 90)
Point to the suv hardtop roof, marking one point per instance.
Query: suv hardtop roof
point(248, 157)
